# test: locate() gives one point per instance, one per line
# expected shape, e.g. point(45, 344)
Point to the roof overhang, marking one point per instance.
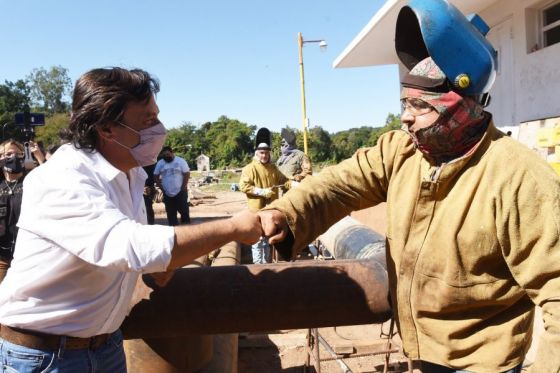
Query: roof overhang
point(375, 44)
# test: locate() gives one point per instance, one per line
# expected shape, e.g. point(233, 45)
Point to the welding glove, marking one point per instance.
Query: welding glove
point(263, 192)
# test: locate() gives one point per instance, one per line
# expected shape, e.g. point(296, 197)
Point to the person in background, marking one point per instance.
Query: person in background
point(11, 191)
point(83, 241)
point(261, 181)
point(472, 246)
point(149, 193)
point(172, 177)
point(293, 163)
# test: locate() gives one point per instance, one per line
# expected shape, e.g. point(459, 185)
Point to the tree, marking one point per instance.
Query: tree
point(185, 142)
point(345, 143)
point(14, 97)
point(50, 89)
point(393, 122)
point(49, 134)
point(230, 142)
point(319, 146)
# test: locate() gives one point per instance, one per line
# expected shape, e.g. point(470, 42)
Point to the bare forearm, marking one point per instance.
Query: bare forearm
point(193, 241)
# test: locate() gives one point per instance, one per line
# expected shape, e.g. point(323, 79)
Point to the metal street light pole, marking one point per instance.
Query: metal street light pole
point(323, 45)
point(3, 130)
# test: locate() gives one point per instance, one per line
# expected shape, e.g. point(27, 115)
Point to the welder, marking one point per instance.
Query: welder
point(472, 215)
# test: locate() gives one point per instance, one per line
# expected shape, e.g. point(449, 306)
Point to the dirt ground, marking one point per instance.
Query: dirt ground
point(358, 347)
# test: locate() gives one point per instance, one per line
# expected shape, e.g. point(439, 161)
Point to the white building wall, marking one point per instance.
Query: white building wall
point(536, 74)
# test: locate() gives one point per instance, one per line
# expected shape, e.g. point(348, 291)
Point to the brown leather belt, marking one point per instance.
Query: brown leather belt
point(42, 341)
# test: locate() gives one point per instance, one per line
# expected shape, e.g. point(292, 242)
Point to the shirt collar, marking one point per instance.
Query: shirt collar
point(101, 165)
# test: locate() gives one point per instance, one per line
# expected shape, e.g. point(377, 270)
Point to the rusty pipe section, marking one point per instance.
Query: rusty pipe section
point(232, 299)
point(187, 353)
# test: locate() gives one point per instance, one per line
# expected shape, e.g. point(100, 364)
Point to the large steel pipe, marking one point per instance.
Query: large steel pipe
point(187, 353)
point(263, 297)
point(350, 239)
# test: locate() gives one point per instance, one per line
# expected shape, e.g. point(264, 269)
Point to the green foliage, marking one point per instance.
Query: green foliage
point(393, 122)
point(49, 89)
point(185, 141)
point(228, 142)
point(14, 97)
point(49, 133)
point(319, 145)
point(345, 143)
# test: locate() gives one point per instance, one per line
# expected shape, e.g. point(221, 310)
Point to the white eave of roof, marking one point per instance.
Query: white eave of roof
point(375, 44)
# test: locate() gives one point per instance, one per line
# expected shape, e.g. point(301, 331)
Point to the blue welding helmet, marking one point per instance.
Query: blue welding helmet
point(457, 44)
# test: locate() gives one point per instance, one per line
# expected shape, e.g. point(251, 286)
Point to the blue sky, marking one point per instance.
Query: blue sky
point(212, 57)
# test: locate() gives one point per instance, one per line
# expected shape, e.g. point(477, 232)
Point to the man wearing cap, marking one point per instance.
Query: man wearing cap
point(472, 246)
point(293, 163)
point(261, 181)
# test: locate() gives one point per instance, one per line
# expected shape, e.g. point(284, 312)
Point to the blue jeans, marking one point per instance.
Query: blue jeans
point(261, 252)
point(435, 368)
point(108, 358)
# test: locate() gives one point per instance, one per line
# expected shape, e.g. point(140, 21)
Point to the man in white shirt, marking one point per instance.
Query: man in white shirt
point(172, 176)
point(83, 238)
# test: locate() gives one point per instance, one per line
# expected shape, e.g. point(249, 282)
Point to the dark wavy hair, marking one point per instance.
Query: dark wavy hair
point(100, 98)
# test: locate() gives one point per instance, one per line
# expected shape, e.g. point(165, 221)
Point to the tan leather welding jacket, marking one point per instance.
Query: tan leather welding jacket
point(472, 245)
point(257, 174)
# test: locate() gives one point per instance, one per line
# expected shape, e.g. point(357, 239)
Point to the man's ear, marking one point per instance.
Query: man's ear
point(105, 132)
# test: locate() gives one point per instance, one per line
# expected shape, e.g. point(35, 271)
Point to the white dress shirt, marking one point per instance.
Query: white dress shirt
point(82, 243)
point(171, 174)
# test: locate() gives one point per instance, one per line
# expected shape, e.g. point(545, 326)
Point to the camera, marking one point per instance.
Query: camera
point(28, 121)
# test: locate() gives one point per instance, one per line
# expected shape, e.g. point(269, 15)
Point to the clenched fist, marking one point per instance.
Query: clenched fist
point(247, 227)
point(274, 225)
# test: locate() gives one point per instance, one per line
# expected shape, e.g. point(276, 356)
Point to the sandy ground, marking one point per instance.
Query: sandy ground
point(285, 351)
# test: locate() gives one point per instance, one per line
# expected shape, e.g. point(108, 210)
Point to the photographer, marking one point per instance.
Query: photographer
point(11, 190)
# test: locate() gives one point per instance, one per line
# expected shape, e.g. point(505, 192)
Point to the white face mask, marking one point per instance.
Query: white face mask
point(151, 142)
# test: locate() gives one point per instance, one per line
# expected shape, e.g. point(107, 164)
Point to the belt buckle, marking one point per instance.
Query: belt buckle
point(97, 341)
point(92, 343)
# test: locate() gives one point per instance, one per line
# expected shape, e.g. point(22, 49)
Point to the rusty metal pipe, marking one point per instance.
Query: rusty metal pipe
point(188, 353)
point(254, 298)
point(226, 346)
